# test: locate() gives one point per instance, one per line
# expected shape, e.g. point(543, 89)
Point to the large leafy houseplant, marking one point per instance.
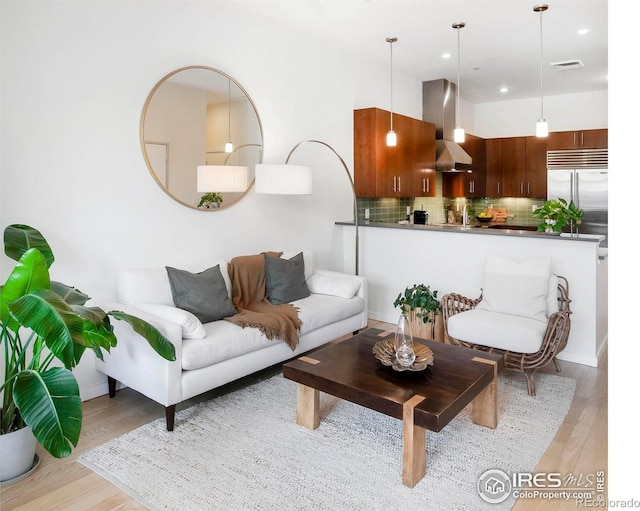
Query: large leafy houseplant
point(556, 214)
point(422, 306)
point(39, 390)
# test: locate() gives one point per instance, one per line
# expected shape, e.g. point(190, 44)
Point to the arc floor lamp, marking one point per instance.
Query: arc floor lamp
point(285, 179)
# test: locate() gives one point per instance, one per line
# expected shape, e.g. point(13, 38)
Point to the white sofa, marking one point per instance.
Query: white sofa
point(337, 306)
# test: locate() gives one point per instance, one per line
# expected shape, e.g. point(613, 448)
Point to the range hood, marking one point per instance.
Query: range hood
point(439, 108)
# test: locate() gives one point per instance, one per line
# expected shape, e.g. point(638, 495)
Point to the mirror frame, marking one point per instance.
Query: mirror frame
point(144, 149)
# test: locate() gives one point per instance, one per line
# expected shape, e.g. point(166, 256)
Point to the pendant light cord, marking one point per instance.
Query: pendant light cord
point(229, 110)
point(541, 71)
point(458, 85)
point(391, 41)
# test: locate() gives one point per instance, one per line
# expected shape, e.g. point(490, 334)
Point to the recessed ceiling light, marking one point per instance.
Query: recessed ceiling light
point(504, 90)
point(446, 55)
point(583, 31)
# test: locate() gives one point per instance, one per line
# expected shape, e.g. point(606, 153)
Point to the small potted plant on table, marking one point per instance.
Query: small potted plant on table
point(424, 310)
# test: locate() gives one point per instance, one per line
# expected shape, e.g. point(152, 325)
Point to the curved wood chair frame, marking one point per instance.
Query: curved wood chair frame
point(555, 337)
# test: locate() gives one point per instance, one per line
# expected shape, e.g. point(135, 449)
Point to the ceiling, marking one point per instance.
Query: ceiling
point(499, 46)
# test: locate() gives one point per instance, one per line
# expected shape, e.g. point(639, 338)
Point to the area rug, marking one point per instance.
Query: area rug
point(243, 451)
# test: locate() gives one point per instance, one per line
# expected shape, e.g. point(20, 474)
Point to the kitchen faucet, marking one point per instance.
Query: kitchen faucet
point(465, 218)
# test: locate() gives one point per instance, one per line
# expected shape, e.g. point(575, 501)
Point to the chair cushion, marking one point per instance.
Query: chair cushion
point(498, 330)
point(518, 288)
point(204, 294)
point(285, 279)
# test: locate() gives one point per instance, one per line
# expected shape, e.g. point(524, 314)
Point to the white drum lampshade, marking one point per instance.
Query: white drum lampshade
point(222, 178)
point(283, 179)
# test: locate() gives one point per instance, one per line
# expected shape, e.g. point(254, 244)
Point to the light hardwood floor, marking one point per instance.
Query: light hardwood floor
point(579, 447)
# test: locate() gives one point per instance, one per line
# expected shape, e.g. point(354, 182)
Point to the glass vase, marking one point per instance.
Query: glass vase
point(404, 342)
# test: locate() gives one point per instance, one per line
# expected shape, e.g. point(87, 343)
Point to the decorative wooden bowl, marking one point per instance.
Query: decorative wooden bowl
point(385, 352)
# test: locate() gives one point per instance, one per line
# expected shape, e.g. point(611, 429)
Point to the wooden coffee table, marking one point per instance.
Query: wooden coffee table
point(429, 399)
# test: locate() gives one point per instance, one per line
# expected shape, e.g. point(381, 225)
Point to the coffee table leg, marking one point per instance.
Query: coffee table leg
point(414, 458)
point(484, 408)
point(308, 406)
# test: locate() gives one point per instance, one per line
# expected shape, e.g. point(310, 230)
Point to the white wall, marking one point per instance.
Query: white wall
point(75, 76)
point(587, 110)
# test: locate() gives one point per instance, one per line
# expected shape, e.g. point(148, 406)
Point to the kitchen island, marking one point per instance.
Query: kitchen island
point(450, 258)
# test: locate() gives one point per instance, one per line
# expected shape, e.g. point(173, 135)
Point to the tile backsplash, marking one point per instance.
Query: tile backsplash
point(393, 210)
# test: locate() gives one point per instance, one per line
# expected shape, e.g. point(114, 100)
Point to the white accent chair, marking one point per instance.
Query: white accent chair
point(522, 313)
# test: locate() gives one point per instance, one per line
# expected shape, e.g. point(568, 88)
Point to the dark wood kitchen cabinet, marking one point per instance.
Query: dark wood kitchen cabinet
point(505, 166)
point(406, 170)
point(516, 167)
point(535, 185)
point(493, 168)
point(580, 139)
point(468, 184)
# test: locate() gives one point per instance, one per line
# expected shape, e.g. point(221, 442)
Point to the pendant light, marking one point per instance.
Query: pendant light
point(228, 147)
point(458, 133)
point(392, 139)
point(542, 128)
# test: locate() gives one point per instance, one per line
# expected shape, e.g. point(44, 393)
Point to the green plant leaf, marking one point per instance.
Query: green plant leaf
point(69, 294)
point(19, 238)
point(98, 332)
point(50, 405)
point(51, 318)
point(29, 274)
point(156, 340)
point(419, 297)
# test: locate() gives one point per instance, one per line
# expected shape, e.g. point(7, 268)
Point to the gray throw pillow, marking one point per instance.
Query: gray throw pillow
point(285, 279)
point(203, 294)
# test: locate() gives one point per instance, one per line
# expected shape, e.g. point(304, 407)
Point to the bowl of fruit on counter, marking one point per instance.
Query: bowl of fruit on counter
point(484, 217)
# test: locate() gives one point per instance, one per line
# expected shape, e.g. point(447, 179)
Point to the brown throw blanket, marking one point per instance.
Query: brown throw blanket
point(249, 297)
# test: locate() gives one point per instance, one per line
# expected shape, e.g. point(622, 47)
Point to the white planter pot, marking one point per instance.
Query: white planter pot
point(18, 450)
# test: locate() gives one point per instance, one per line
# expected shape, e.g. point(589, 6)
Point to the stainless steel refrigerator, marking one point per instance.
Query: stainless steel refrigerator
point(582, 176)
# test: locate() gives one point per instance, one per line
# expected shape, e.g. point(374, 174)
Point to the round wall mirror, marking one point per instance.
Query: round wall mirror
point(201, 138)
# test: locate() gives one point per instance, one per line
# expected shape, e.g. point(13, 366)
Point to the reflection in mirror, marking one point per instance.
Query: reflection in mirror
point(187, 120)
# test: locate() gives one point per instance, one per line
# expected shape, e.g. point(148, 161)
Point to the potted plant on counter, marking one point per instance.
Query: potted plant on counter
point(556, 214)
point(424, 310)
point(45, 329)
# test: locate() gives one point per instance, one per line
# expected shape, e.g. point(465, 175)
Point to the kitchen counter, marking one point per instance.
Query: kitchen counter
point(449, 258)
point(495, 229)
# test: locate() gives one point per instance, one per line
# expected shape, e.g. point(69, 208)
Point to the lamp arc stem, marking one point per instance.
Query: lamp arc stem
point(353, 190)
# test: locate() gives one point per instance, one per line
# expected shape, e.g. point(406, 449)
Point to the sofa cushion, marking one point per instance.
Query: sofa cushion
point(518, 288)
point(204, 294)
point(497, 330)
point(151, 285)
point(308, 260)
point(318, 310)
point(224, 341)
point(285, 279)
point(191, 326)
point(333, 285)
